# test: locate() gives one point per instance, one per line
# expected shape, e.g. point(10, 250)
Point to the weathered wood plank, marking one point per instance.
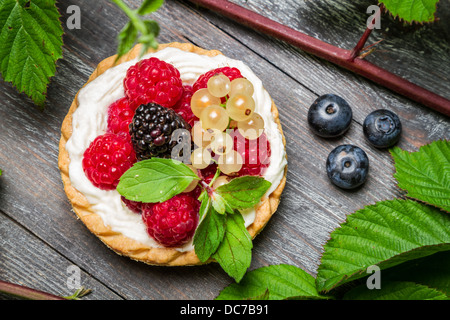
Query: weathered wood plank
point(31, 192)
point(27, 261)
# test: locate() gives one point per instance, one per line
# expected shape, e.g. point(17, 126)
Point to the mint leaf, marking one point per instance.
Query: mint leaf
point(155, 180)
point(209, 233)
point(244, 192)
point(220, 205)
point(31, 43)
point(127, 38)
point(396, 290)
point(412, 10)
point(281, 281)
point(205, 204)
point(149, 6)
point(385, 234)
point(234, 253)
point(425, 174)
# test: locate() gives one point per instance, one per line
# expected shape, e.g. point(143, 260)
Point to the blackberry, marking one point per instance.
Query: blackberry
point(151, 131)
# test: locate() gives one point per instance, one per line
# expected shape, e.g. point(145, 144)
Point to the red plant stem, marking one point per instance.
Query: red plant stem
point(360, 45)
point(26, 293)
point(338, 56)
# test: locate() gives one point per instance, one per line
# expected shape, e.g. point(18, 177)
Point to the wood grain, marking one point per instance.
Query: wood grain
point(33, 202)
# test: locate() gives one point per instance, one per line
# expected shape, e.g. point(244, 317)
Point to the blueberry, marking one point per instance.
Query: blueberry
point(330, 116)
point(382, 128)
point(347, 166)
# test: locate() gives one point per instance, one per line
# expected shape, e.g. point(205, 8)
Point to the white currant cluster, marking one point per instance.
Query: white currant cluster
point(221, 106)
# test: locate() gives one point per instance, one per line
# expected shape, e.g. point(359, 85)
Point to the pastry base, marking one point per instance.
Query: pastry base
point(118, 242)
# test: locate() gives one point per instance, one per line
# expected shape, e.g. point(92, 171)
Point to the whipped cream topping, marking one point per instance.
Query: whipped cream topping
point(90, 121)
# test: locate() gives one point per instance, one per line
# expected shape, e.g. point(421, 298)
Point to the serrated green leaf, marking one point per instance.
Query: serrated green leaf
point(149, 6)
point(281, 281)
point(431, 271)
point(412, 10)
point(155, 180)
point(31, 43)
point(425, 174)
point(244, 192)
point(234, 253)
point(396, 290)
point(385, 234)
point(209, 233)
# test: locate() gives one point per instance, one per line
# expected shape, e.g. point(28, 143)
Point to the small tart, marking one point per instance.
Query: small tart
point(117, 241)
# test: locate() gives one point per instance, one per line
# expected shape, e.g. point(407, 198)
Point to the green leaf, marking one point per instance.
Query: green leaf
point(396, 290)
point(244, 192)
point(412, 10)
point(281, 281)
point(155, 180)
point(205, 204)
point(234, 253)
point(149, 6)
point(220, 204)
point(31, 43)
point(209, 234)
point(127, 38)
point(425, 174)
point(385, 234)
point(431, 271)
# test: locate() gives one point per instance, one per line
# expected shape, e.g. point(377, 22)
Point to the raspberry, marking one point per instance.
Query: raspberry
point(172, 223)
point(153, 80)
point(231, 73)
point(208, 173)
point(256, 154)
point(183, 106)
point(134, 206)
point(120, 115)
point(151, 131)
point(106, 159)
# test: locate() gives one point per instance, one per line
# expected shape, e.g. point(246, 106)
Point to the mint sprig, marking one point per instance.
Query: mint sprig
point(221, 234)
point(234, 253)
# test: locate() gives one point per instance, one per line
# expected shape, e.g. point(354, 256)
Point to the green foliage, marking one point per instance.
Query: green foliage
point(384, 234)
point(407, 240)
point(396, 291)
point(31, 43)
point(234, 253)
point(155, 180)
point(412, 10)
point(425, 174)
point(277, 282)
point(137, 29)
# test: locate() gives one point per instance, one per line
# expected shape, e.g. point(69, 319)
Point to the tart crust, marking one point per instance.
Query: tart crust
point(117, 241)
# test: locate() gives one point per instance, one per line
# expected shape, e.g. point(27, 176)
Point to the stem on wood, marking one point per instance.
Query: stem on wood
point(360, 45)
point(26, 293)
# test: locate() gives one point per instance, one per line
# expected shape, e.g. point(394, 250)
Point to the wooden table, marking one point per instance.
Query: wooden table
point(41, 238)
